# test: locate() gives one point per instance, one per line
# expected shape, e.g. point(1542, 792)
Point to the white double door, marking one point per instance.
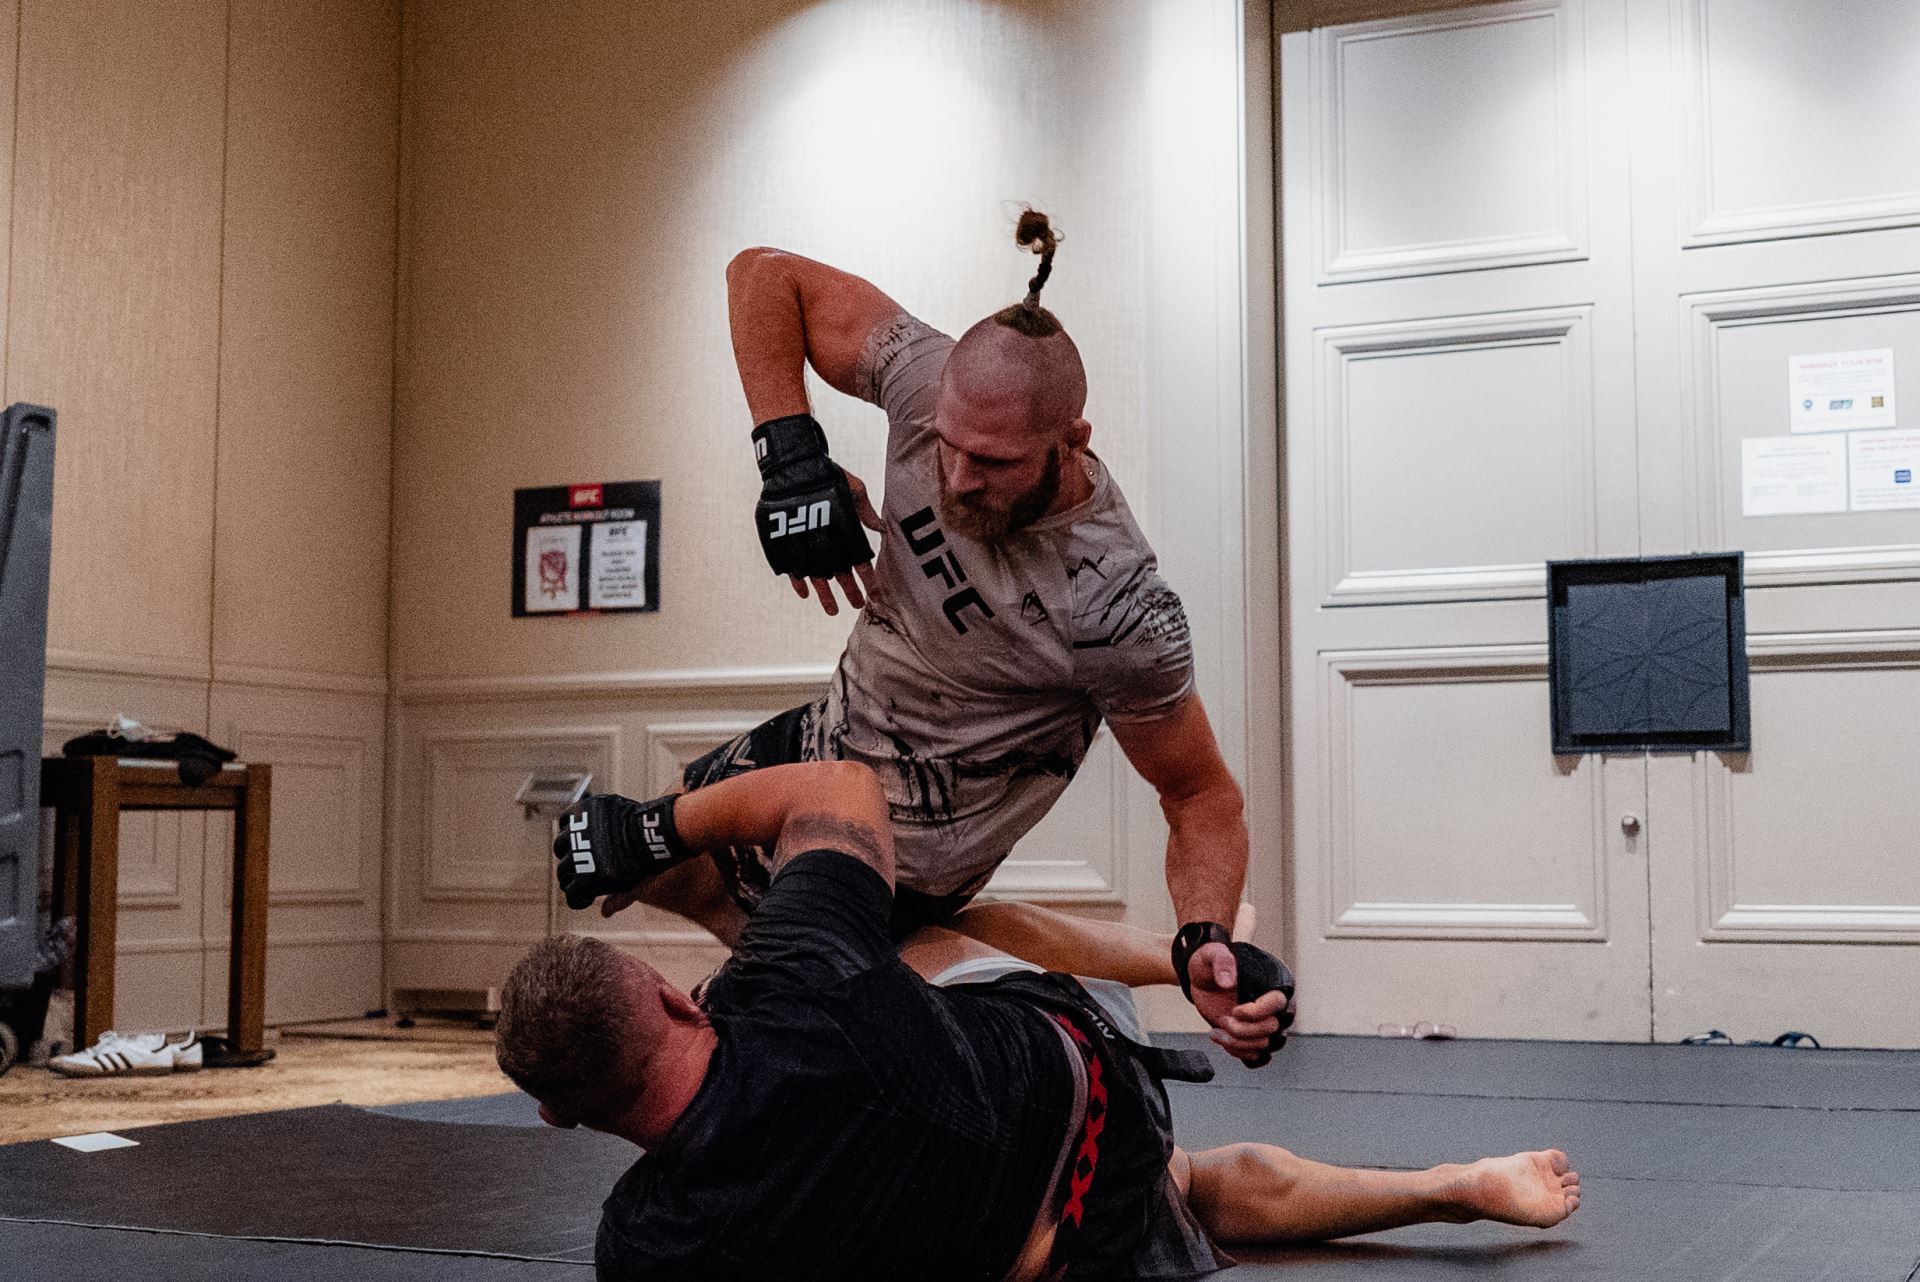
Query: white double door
point(1545, 264)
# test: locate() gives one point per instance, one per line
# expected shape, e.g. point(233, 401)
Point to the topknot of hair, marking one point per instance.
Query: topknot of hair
point(1035, 233)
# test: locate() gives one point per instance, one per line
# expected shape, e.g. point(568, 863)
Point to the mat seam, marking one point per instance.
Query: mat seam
point(300, 1241)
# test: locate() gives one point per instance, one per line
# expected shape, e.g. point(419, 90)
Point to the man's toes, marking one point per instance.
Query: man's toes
point(1559, 1160)
point(1571, 1180)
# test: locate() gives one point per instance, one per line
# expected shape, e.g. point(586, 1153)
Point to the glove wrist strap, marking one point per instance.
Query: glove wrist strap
point(780, 441)
point(1194, 936)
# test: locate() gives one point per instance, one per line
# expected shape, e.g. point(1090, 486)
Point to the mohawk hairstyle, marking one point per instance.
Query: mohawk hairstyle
point(1035, 233)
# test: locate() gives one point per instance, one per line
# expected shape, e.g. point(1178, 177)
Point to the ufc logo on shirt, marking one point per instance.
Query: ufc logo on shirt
point(814, 516)
point(944, 567)
point(578, 843)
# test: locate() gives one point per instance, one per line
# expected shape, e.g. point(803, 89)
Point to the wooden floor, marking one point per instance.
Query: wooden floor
point(38, 1104)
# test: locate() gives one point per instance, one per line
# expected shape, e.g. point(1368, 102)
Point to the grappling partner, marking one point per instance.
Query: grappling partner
point(828, 1114)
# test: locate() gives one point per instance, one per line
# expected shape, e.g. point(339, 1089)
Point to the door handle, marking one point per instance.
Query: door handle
point(1630, 824)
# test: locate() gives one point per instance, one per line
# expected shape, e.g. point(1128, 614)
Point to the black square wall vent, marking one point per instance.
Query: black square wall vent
point(1648, 653)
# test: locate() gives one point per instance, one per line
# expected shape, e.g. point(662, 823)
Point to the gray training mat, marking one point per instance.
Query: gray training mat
point(1715, 1164)
point(333, 1174)
point(76, 1253)
point(1707, 1163)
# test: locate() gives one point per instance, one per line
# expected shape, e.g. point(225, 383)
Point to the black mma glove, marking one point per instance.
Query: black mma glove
point(610, 844)
point(808, 523)
point(1257, 973)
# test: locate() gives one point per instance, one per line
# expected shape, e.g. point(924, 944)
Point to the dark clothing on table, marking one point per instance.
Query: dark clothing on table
point(857, 1123)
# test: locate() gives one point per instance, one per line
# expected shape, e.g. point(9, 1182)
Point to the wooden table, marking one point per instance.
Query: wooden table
point(87, 795)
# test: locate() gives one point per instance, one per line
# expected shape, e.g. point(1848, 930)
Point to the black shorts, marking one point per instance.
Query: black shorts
point(746, 871)
point(1118, 1212)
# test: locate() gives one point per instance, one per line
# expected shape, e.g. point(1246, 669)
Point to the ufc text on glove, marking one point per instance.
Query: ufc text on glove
point(610, 844)
point(809, 526)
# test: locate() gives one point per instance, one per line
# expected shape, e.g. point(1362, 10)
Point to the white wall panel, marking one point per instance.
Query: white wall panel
point(1445, 818)
point(1734, 381)
point(1798, 119)
point(478, 845)
point(1451, 141)
point(1830, 864)
point(1456, 456)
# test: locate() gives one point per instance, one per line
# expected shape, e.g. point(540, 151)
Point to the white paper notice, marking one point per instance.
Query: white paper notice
point(1882, 471)
point(619, 554)
point(1793, 475)
point(1840, 391)
point(553, 568)
point(96, 1142)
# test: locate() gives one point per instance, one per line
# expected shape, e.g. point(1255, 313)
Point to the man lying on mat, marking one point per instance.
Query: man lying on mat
point(830, 1114)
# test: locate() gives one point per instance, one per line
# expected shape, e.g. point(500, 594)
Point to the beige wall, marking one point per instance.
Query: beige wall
point(278, 265)
point(574, 180)
point(573, 190)
point(201, 260)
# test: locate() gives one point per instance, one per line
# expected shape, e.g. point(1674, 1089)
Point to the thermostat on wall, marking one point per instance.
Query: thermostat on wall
point(551, 795)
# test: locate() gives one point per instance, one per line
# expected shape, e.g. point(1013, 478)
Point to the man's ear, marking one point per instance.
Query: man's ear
point(1079, 432)
point(679, 1007)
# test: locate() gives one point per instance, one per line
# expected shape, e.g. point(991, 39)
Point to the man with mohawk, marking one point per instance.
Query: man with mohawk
point(1015, 606)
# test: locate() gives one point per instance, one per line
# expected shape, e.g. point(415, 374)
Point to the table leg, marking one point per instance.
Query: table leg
point(99, 892)
point(247, 957)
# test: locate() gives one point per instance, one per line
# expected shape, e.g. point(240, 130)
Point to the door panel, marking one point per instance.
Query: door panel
point(1776, 193)
point(1458, 273)
point(1443, 824)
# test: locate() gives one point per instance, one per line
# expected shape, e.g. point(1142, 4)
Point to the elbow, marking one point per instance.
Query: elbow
point(750, 265)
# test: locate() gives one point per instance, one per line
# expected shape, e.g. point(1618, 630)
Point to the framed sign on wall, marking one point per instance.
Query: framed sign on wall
point(592, 548)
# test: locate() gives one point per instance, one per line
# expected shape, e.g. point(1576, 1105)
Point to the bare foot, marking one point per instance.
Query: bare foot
point(1538, 1188)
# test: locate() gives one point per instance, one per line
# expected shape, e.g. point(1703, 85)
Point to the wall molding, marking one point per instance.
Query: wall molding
point(1706, 316)
point(444, 879)
point(1702, 222)
point(1723, 918)
point(1345, 915)
point(243, 674)
point(1335, 262)
point(102, 664)
point(422, 690)
point(344, 755)
point(1568, 329)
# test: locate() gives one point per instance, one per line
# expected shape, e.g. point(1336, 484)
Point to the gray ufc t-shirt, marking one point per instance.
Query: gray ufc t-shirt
point(977, 675)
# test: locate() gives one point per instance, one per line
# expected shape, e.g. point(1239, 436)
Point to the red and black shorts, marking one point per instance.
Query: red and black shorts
point(1120, 1213)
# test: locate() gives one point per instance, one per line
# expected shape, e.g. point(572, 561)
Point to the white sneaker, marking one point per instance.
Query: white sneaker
point(143, 1055)
point(187, 1056)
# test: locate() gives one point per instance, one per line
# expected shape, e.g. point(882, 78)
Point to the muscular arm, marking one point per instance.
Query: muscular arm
point(1075, 945)
point(1206, 820)
point(786, 311)
point(1206, 863)
point(834, 805)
